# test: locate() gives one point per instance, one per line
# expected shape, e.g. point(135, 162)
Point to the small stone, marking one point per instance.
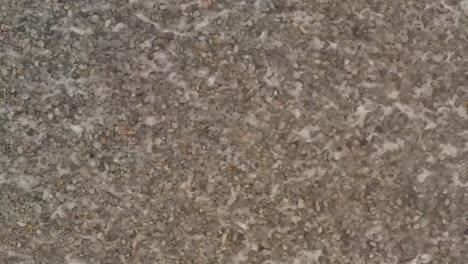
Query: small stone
point(317, 44)
point(107, 23)
point(97, 145)
point(40, 44)
point(37, 208)
point(319, 230)
point(158, 141)
point(77, 242)
point(146, 44)
point(297, 74)
point(151, 121)
point(300, 204)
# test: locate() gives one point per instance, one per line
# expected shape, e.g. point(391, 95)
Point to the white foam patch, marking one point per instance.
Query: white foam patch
point(360, 115)
point(102, 6)
point(296, 90)
point(241, 256)
point(187, 185)
point(11, 55)
point(415, 114)
point(3, 178)
point(274, 191)
point(300, 18)
point(158, 26)
point(15, 257)
point(182, 29)
point(449, 150)
point(464, 6)
point(233, 197)
point(71, 260)
point(307, 175)
point(407, 110)
point(60, 212)
point(309, 256)
point(151, 121)
point(211, 80)
point(271, 78)
point(375, 233)
point(421, 259)
point(369, 85)
point(263, 36)
point(252, 120)
point(27, 122)
point(208, 18)
point(77, 129)
point(119, 27)
point(317, 44)
point(463, 170)
point(343, 89)
point(25, 182)
point(425, 90)
point(148, 142)
point(393, 94)
point(462, 112)
point(421, 177)
point(81, 31)
point(447, 16)
point(305, 133)
point(302, 257)
point(297, 113)
point(72, 86)
point(389, 146)
point(387, 110)
point(160, 64)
